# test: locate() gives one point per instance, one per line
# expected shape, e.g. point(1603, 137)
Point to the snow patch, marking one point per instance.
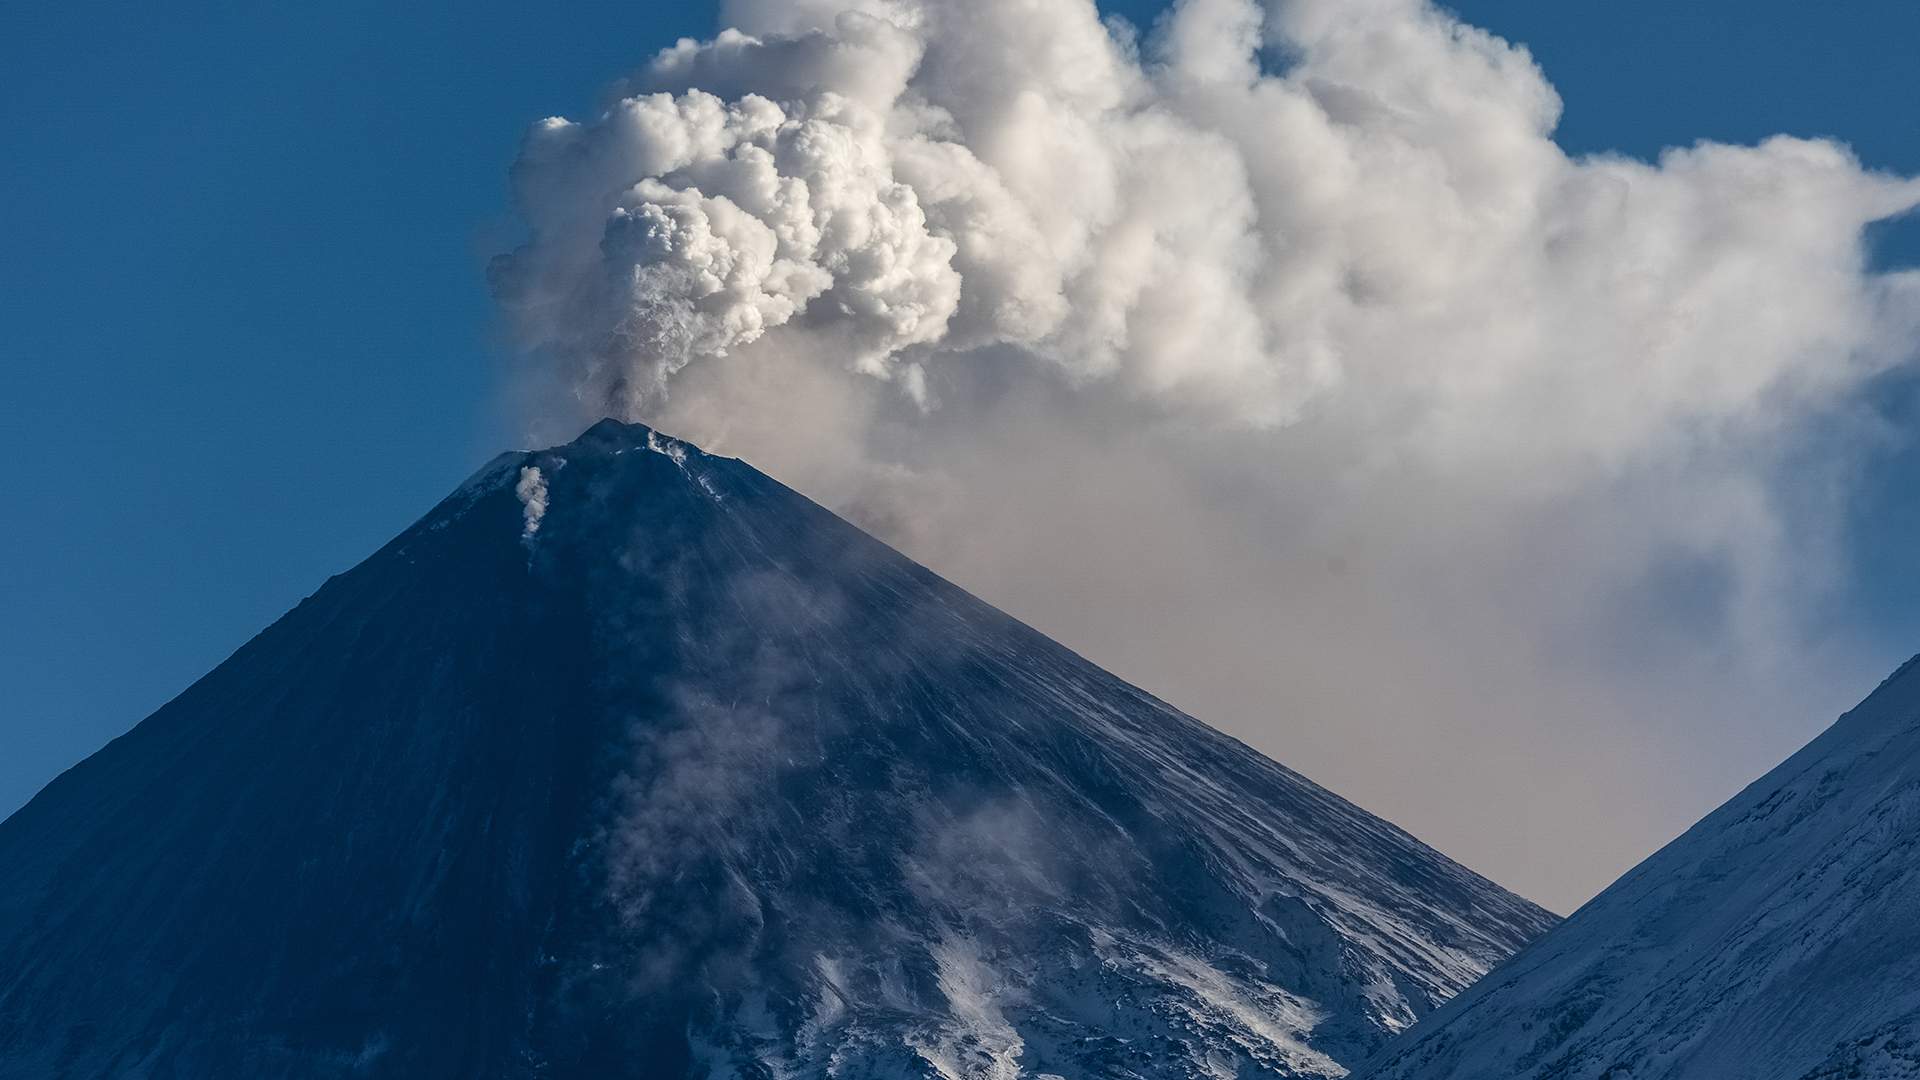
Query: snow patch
point(676, 451)
point(669, 447)
point(977, 1043)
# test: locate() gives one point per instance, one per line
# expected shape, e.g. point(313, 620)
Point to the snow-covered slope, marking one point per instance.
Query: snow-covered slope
point(627, 761)
point(1779, 939)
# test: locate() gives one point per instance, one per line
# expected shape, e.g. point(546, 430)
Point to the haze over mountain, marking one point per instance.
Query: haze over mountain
point(1573, 444)
point(627, 761)
point(1779, 939)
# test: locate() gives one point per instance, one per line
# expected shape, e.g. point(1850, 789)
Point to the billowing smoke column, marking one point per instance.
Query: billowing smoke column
point(1444, 399)
point(901, 183)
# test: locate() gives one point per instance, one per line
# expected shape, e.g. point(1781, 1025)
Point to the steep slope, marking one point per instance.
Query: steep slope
point(627, 761)
point(1779, 939)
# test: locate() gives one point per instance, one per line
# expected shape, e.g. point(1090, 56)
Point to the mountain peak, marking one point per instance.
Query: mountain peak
point(621, 434)
point(618, 435)
point(609, 429)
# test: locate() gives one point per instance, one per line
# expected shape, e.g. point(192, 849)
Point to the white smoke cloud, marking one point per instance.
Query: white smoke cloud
point(531, 490)
point(1282, 362)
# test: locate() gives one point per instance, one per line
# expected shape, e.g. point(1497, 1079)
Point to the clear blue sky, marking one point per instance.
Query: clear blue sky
point(244, 334)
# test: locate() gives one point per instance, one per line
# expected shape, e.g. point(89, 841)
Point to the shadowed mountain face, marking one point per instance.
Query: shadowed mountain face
point(627, 761)
point(1779, 939)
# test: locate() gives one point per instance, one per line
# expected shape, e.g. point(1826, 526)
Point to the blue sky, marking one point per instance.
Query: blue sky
point(244, 335)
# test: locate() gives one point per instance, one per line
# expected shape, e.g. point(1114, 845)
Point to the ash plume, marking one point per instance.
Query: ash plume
point(1276, 358)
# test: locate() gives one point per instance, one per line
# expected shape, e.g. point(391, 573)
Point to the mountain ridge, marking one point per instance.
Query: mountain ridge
point(1774, 940)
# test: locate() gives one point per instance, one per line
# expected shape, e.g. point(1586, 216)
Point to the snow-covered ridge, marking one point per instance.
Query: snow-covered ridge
point(1778, 939)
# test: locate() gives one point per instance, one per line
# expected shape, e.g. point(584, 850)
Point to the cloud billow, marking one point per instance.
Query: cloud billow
point(1298, 302)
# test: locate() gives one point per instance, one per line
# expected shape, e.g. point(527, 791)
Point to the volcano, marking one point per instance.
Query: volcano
point(628, 761)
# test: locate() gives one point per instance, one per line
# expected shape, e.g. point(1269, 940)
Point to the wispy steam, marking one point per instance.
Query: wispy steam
point(1281, 361)
point(531, 490)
